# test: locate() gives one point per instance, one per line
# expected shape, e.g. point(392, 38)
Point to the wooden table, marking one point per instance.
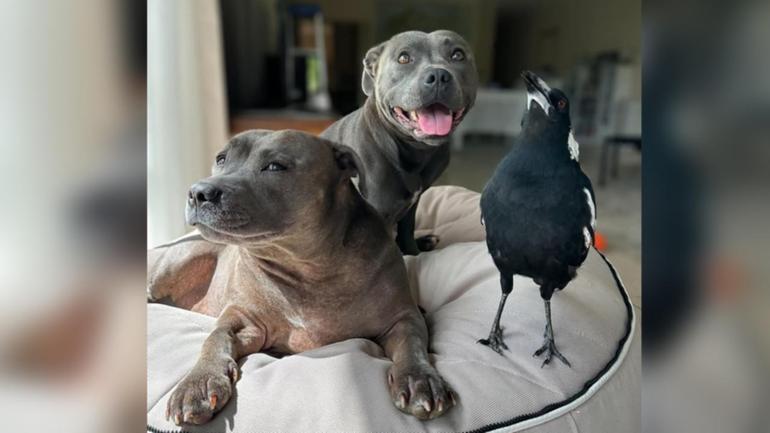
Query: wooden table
point(281, 119)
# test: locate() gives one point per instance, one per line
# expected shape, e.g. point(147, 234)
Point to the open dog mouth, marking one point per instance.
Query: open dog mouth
point(432, 120)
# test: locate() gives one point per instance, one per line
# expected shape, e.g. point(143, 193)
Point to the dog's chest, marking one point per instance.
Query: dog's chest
point(329, 319)
point(413, 186)
point(295, 320)
point(394, 201)
point(310, 331)
point(407, 198)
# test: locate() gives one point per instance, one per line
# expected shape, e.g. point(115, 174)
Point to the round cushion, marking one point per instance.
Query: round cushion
point(342, 387)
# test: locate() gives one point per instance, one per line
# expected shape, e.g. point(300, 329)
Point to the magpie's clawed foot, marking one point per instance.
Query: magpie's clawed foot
point(550, 351)
point(495, 340)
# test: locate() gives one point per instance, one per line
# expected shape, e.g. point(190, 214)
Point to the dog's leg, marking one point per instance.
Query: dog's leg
point(427, 242)
point(405, 233)
point(415, 385)
point(209, 385)
point(180, 272)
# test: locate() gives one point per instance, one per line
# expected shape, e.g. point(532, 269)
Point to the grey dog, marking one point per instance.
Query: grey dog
point(419, 87)
point(292, 258)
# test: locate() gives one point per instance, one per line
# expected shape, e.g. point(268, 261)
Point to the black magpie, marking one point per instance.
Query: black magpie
point(538, 208)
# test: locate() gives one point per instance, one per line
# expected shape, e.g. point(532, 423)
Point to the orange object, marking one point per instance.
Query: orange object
point(600, 243)
point(727, 278)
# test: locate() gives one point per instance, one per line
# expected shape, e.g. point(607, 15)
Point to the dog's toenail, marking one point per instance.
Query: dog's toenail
point(427, 406)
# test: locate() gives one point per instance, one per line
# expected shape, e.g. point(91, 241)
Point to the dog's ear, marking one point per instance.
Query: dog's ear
point(370, 68)
point(348, 162)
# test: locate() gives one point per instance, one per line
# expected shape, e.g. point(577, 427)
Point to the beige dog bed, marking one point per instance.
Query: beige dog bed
point(342, 387)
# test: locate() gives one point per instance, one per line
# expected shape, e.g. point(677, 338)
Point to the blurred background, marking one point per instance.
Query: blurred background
point(221, 67)
point(72, 233)
point(82, 126)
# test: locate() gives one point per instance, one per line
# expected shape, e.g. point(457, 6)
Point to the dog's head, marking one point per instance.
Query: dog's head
point(423, 83)
point(265, 183)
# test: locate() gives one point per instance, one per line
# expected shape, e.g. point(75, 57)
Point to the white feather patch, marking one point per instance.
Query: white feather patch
point(539, 99)
point(591, 206)
point(587, 237)
point(543, 85)
point(574, 148)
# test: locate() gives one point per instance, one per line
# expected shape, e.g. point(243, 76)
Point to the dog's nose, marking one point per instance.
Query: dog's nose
point(436, 76)
point(204, 192)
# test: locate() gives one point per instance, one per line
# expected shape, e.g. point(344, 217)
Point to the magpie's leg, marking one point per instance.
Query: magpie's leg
point(549, 347)
point(495, 339)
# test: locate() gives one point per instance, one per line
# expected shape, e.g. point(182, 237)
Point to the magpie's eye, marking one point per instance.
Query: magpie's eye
point(404, 58)
point(274, 166)
point(562, 104)
point(220, 159)
point(458, 55)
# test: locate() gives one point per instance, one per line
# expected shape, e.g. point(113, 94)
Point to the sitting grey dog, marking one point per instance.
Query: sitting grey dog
point(419, 87)
point(292, 258)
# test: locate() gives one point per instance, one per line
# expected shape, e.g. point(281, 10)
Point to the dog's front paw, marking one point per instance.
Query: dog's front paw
point(427, 242)
point(202, 393)
point(151, 297)
point(420, 391)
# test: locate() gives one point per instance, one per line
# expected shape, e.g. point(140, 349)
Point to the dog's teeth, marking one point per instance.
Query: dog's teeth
point(413, 115)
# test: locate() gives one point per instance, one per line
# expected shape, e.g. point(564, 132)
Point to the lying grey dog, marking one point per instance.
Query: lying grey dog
point(419, 87)
point(293, 259)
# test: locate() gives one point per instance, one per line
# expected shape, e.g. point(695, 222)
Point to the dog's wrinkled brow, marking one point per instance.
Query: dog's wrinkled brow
point(274, 154)
point(237, 146)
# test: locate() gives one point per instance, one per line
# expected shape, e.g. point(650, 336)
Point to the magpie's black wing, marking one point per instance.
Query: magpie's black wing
point(580, 210)
point(585, 185)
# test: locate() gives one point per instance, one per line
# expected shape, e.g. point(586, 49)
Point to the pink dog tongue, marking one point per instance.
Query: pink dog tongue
point(435, 120)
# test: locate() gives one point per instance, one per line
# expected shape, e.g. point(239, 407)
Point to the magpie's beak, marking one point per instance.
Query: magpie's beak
point(537, 90)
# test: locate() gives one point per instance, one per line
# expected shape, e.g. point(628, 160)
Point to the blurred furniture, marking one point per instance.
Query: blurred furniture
point(496, 111)
point(250, 34)
point(304, 38)
point(342, 387)
point(597, 90)
point(605, 110)
point(312, 123)
point(626, 130)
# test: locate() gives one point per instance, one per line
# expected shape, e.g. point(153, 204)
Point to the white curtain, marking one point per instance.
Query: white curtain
point(187, 119)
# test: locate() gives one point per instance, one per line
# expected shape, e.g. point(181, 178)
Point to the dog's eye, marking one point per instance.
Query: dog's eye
point(220, 159)
point(404, 58)
point(458, 55)
point(274, 166)
point(562, 104)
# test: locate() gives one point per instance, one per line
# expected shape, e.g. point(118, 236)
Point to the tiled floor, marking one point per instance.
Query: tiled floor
point(619, 213)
